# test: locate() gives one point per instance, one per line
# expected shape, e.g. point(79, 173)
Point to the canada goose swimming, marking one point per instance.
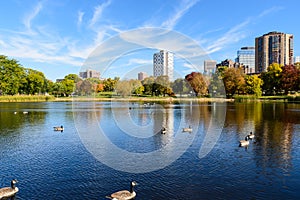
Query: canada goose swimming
point(189, 129)
point(251, 135)
point(163, 130)
point(9, 191)
point(245, 142)
point(58, 128)
point(124, 194)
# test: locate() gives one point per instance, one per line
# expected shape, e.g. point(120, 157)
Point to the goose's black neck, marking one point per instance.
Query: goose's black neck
point(12, 185)
point(131, 188)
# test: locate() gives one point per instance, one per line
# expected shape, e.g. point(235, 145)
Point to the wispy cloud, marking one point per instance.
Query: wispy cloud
point(80, 17)
point(234, 34)
point(30, 16)
point(98, 13)
point(270, 10)
point(184, 7)
point(238, 32)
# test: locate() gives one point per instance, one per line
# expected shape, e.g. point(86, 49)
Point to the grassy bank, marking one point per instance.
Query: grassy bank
point(283, 98)
point(26, 98)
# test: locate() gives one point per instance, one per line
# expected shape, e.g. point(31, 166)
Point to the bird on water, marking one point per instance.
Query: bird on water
point(124, 194)
point(251, 135)
point(245, 142)
point(9, 191)
point(58, 128)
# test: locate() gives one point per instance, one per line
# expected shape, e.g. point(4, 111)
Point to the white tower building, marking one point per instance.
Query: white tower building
point(163, 64)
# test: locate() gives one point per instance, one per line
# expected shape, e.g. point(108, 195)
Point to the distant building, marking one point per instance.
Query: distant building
point(226, 63)
point(163, 64)
point(210, 66)
point(273, 47)
point(246, 57)
point(142, 76)
point(59, 80)
point(89, 73)
point(296, 59)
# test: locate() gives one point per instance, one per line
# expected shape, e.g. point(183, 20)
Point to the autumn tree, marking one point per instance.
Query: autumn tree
point(289, 79)
point(234, 81)
point(197, 82)
point(110, 84)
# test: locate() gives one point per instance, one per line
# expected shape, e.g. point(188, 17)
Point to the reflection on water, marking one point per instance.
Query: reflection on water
point(58, 165)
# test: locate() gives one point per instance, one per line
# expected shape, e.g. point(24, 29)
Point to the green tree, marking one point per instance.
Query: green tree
point(253, 85)
point(68, 86)
point(181, 86)
point(12, 76)
point(148, 85)
point(73, 77)
point(36, 82)
point(162, 86)
point(271, 78)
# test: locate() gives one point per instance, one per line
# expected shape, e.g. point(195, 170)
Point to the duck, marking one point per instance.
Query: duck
point(245, 142)
point(189, 129)
point(124, 194)
point(58, 128)
point(251, 135)
point(9, 191)
point(163, 130)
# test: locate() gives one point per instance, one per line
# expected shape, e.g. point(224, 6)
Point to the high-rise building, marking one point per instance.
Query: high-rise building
point(210, 66)
point(163, 64)
point(246, 57)
point(142, 76)
point(89, 73)
point(273, 47)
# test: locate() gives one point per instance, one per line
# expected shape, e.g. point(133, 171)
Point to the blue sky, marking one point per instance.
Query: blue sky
point(59, 37)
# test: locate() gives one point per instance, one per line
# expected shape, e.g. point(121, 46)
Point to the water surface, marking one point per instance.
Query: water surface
point(56, 165)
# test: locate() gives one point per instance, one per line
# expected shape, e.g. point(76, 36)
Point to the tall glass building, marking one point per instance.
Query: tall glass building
point(246, 57)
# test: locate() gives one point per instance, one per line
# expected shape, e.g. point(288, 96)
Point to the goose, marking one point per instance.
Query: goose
point(245, 142)
point(58, 128)
point(251, 135)
point(163, 130)
point(9, 191)
point(124, 194)
point(189, 129)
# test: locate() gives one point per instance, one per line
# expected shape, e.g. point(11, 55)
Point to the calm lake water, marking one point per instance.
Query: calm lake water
point(105, 145)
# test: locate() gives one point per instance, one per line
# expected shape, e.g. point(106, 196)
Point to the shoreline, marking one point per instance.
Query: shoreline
point(38, 98)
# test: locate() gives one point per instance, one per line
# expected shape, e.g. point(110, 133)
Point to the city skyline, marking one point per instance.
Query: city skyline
point(56, 37)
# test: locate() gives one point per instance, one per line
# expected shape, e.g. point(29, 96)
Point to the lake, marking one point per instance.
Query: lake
point(106, 145)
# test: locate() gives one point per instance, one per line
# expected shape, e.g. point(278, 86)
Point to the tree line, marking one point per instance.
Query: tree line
point(16, 79)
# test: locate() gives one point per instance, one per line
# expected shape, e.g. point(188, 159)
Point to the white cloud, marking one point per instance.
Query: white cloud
point(178, 14)
point(28, 19)
point(234, 34)
point(80, 17)
point(98, 13)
